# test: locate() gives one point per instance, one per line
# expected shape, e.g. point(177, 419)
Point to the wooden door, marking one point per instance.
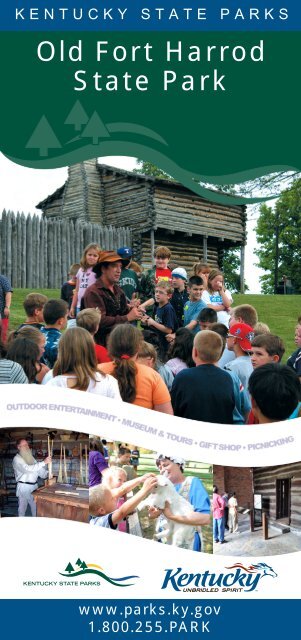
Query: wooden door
point(283, 492)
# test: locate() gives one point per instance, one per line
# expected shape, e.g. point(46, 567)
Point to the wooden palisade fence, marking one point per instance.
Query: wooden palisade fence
point(36, 252)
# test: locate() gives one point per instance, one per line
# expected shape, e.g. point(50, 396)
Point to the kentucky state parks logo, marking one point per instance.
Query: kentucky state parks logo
point(241, 579)
point(81, 569)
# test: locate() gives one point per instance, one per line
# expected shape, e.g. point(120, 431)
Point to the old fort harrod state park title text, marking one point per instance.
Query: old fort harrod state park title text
point(172, 52)
point(204, 87)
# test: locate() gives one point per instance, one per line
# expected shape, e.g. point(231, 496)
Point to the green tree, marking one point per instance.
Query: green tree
point(273, 183)
point(69, 568)
point(231, 257)
point(231, 269)
point(83, 565)
point(262, 187)
point(149, 169)
point(279, 236)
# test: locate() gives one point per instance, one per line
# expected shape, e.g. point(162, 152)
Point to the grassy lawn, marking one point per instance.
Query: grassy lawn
point(17, 314)
point(279, 312)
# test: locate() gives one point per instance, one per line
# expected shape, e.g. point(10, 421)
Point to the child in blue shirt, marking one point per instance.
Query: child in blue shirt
point(55, 316)
point(103, 503)
point(194, 305)
point(164, 320)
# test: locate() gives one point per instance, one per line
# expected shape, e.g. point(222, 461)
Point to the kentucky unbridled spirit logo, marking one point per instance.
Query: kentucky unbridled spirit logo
point(81, 569)
point(241, 579)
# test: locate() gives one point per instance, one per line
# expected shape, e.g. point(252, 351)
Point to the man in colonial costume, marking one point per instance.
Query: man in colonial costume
point(27, 471)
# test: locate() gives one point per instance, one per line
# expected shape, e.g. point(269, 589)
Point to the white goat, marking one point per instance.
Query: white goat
point(175, 533)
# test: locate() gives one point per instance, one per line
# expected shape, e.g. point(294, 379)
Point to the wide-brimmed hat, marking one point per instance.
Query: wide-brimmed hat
point(109, 256)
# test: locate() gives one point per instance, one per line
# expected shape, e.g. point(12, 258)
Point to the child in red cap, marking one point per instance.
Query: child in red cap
point(239, 340)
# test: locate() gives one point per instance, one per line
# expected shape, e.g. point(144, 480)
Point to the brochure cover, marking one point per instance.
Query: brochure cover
point(209, 95)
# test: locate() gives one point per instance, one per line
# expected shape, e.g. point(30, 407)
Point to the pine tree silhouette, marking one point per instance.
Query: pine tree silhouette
point(78, 562)
point(95, 129)
point(83, 565)
point(77, 116)
point(69, 568)
point(43, 138)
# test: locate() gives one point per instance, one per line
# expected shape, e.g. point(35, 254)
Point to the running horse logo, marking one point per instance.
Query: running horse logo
point(261, 567)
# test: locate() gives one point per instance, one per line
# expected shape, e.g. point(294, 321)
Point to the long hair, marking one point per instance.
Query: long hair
point(182, 346)
point(123, 345)
point(213, 273)
point(95, 444)
point(27, 354)
point(76, 354)
point(147, 350)
point(198, 267)
point(83, 260)
point(32, 333)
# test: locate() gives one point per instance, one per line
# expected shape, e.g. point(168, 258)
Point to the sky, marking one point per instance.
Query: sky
point(22, 188)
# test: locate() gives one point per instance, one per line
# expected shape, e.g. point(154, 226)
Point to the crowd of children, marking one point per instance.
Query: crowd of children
point(160, 339)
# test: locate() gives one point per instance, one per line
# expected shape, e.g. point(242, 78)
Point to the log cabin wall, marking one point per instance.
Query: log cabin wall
point(265, 484)
point(185, 251)
point(52, 206)
point(145, 203)
point(180, 209)
point(105, 195)
point(75, 204)
point(80, 198)
point(180, 219)
point(126, 198)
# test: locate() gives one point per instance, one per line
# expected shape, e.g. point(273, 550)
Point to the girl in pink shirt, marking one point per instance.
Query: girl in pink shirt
point(218, 508)
point(85, 276)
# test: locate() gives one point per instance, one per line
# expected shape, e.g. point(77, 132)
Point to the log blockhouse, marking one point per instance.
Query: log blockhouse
point(157, 211)
point(279, 487)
